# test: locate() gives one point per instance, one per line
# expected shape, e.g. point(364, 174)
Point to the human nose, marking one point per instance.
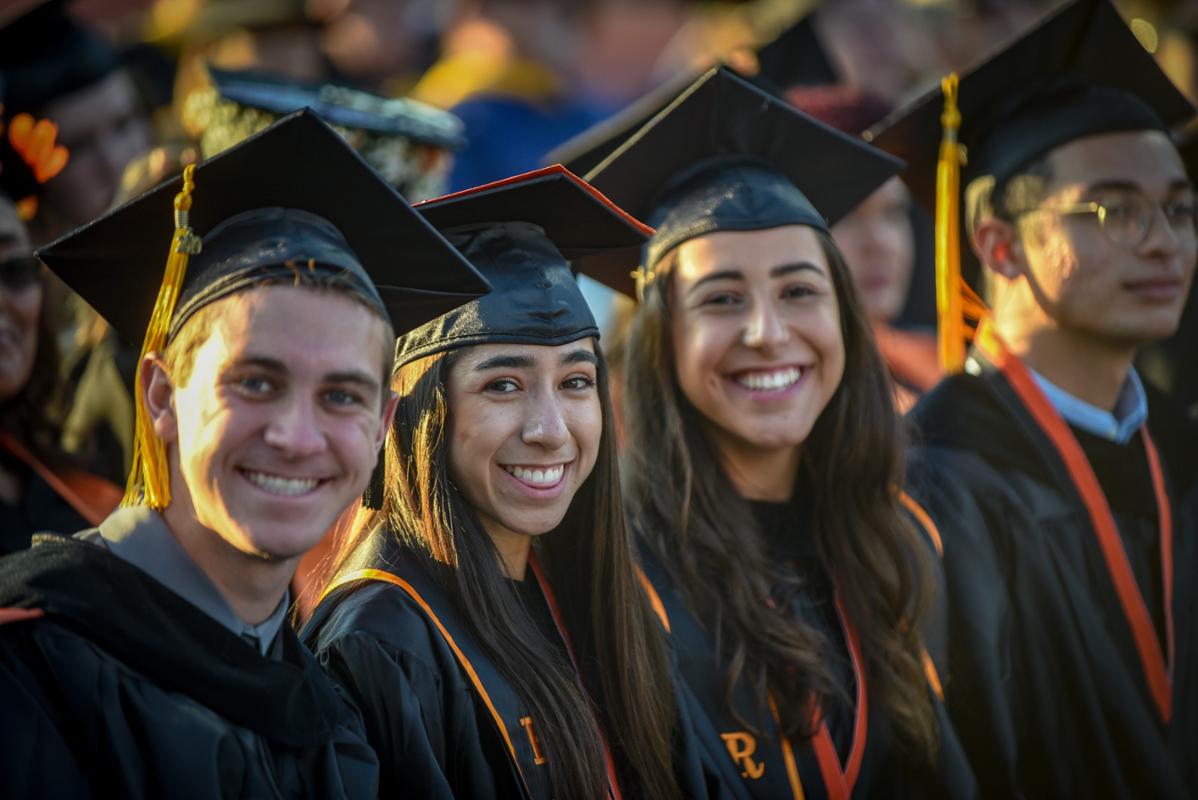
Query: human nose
point(295, 429)
point(764, 327)
point(545, 421)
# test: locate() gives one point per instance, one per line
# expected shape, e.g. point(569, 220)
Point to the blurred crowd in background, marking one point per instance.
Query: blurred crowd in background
point(438, 95)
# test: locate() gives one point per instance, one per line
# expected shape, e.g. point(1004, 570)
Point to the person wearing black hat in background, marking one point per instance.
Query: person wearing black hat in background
point(488, 619)
point(41, 487)
point(763, 466)
point(53, 67)
point(150, 656)
point(1065, 488)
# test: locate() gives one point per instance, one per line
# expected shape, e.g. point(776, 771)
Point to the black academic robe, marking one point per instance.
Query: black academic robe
point(444, 721)
point(854, 753)
point(1060, 683)
point(114, 686)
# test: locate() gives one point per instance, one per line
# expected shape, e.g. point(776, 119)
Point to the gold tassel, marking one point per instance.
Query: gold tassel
point(149, 478)
point(951, 328)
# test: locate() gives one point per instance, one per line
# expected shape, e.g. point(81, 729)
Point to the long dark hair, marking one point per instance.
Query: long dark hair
point(695, 522)
point(588, 562)
point(33, 415)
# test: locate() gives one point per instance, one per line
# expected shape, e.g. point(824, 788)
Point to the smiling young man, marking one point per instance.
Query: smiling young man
point(1066, 489)
point(151, 656)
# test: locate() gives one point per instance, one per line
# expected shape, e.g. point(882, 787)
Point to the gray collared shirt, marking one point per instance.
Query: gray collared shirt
point(139, 535)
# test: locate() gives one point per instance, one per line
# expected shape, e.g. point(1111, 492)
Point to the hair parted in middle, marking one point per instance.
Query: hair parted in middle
point(683, 503)
point(588, 562)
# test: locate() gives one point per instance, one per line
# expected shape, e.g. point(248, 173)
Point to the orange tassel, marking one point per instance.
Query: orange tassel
point(149, 477)
point(951, 328)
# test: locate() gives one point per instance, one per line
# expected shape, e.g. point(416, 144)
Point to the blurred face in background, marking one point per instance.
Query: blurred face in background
point(879, 248)
point(104, 127)
point(21, 298)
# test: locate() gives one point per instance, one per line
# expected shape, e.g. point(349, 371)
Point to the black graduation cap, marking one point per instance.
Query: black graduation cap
point(45, 54)
point(340, 105)
point(797, 57)
point(528, 235)
point(1080, 71)
point(582, 153)
point(293, 196)
point(727, 156)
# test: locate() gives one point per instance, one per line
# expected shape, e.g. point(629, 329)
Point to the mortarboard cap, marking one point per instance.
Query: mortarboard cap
point(797, 57)
point(1079, 72)
point(292, 193)
point(528, 235)
point(294, 203)
point(45, 54)
point(582, 153)
point(726, 155)
point(341, 106)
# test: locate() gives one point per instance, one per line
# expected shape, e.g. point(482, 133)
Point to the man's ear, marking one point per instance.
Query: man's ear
point(388, 417)
point(157, 392)
point(998, 246)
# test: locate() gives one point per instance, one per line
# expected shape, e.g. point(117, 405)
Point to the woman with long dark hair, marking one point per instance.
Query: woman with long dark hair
point(764, 456)
point(488, 617)
point(42, 488)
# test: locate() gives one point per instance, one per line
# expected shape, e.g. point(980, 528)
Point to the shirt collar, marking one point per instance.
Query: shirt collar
point(139, 536)
point(1131, 409)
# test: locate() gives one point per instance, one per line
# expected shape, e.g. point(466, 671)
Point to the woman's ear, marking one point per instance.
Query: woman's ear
point(157, 393)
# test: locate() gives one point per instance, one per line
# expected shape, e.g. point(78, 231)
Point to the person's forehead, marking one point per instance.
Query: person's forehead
point(298, 321)
point(1148, 159)
point(766, 248)
point(538, 353)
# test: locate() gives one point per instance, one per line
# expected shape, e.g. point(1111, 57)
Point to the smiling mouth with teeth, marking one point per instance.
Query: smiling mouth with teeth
point(769, 381)
point(277, 484)
point(537, 476)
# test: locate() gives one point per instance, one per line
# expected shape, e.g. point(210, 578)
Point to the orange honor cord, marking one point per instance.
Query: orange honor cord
point(613, 783)
point(951, 328)
point(1157, 670)
point(85, 507)
point(8, 615)
point(659, 607)
point(463, 661)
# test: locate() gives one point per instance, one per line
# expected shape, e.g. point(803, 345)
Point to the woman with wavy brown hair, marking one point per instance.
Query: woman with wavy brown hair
point(487, 618)
point(764, 456)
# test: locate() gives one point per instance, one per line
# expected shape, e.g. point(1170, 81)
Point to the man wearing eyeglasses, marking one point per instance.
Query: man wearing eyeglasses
point(1065, 488)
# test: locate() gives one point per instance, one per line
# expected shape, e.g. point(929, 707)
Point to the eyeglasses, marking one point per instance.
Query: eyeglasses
point(1126, 216)
point(19, 273)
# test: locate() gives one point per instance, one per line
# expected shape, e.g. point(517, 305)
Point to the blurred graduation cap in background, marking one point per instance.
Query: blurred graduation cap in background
point(410, 143)
point(795, 58)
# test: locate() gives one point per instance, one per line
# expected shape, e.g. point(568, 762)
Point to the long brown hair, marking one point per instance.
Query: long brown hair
point(693, 519)
point(589, 565)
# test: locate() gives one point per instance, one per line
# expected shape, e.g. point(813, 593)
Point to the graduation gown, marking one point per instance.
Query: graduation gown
point(853, 754)
point(114, 686)
point(444, 721)
point(54, 501)
point(1071, 627)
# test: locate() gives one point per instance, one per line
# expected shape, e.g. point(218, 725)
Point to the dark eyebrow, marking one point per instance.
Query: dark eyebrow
point(737, 275)
point(348, 376)
point(504, 362)
point(579, 357)
point(1131, 186)
point(788, 269)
